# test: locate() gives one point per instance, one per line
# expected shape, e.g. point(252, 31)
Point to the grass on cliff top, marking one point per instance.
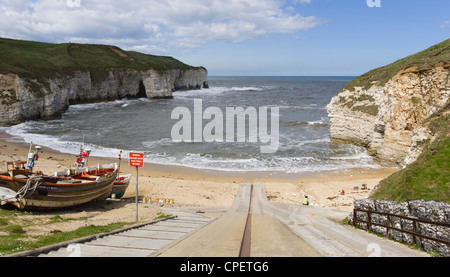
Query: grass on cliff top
point(422, 60)
point(427, 178)
point(37, 59)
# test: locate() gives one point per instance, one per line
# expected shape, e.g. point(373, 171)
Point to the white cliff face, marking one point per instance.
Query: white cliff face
point(388, 119)
point(23, 99)
point(162, 85)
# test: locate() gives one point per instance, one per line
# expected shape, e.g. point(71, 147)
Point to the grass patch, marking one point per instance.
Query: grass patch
point(58, 218)
point(8, 97)
point(79, 233)
point(18, 241)
point(15, 239)
point(162, 216)
point(353, 100)
point(427, 178)
point(368, 109)
point(14, 229)
point(40, 61)
point(439, 53)
point(362, 103)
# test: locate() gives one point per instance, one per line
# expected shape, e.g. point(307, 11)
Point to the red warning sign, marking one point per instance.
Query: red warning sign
point(136, 159)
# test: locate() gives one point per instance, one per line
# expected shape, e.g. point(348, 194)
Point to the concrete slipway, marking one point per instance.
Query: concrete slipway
point(277, 230)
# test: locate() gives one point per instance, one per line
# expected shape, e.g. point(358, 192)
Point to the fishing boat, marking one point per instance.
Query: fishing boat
point(25, 189)
point(120, 184)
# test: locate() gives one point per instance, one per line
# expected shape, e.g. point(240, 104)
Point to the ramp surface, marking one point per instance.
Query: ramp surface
point(140, 242)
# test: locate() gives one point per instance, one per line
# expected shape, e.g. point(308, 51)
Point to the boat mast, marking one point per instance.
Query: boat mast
point(32, 157)
point(120, 158)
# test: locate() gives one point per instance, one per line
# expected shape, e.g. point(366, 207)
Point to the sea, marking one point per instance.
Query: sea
point(146, 125)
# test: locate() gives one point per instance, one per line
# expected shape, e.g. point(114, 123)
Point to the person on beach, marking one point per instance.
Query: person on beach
point(306, 201)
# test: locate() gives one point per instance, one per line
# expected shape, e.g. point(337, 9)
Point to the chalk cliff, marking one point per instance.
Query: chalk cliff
point(88, 73)
point(384, 110)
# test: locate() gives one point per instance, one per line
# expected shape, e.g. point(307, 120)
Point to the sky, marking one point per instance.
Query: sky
point(242, 37)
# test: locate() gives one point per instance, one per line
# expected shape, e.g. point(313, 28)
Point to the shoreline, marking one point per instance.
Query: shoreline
point(204, 187)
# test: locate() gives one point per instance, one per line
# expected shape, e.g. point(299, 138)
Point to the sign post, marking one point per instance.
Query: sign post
point(136, 160)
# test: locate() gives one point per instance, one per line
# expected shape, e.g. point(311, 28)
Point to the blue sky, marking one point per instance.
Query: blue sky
point(242, 37)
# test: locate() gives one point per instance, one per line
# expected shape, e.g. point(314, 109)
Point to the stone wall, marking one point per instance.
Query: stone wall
point(427, 210)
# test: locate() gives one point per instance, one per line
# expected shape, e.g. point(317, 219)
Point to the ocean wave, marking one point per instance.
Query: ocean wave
point(212, 91)
point(322, 122)
point(304, 135)
point(282, 164)
point(201, 92)
point(246, 88)
point(157, 143)
point(236, 162)
point(53, 142)
point(102, 105)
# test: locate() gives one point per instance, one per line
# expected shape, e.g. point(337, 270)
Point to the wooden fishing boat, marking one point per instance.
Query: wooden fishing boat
point(121, 183)
point(26, 189)
point(120, 186)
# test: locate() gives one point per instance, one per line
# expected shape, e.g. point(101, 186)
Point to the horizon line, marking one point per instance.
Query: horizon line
point(283, 75)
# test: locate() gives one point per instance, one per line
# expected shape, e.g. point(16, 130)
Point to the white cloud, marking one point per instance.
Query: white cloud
point(446, 24)
point(302, 1)
point(151, 25)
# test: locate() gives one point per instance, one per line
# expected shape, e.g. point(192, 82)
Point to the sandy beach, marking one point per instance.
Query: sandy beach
point(192, 187)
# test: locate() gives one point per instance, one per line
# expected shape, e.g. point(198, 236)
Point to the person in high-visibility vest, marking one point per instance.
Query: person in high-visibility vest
point(305, 201)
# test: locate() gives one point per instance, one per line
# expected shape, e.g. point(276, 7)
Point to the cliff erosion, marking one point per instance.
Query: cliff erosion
point(41, 80)
point(385, 109)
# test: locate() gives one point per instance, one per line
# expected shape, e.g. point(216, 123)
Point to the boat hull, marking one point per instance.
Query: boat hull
point(120, 186)
point(50, 195)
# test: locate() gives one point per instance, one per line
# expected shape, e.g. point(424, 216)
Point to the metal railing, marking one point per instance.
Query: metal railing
point(415, 221)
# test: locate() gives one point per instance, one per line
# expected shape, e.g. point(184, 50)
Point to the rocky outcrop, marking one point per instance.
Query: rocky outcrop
point(388, 118)
point(24, 98)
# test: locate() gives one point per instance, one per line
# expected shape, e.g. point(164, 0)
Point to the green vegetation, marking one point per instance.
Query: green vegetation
point(368, 109)
point(14, 223)
point(17, 241)
point(427, 178)
point(39, 61)
point(362, 103)
point(439, 53)
point(58, 218)
point(8, 97)
point(162, 215)
point(353, 100)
